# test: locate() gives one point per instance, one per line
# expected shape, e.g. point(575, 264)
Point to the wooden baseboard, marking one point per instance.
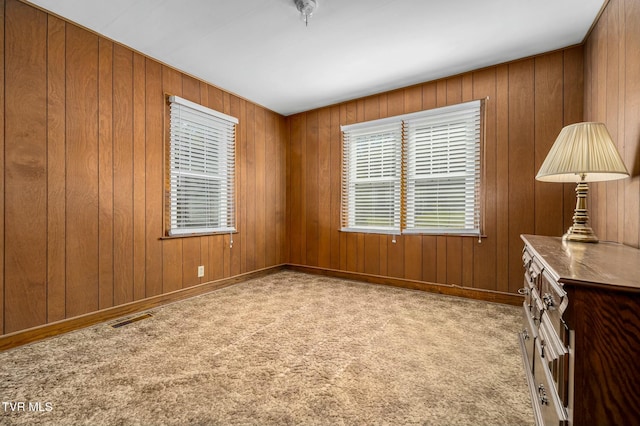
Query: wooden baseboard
point(34, 334)
point(445, 289)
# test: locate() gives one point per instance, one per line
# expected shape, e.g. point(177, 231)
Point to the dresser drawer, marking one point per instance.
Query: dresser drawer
point(555, 356)
point(545, 396)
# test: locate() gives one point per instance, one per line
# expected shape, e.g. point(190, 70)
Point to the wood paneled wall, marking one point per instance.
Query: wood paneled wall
point(81, 145)
point(529, 103)
point(612, 96)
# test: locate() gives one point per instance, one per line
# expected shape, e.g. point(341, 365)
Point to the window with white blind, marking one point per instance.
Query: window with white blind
point(371, 177)
point(443, 170)
point(201, 169)
point(414, 173)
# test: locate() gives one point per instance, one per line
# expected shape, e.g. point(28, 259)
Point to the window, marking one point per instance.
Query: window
point(201, 162)
point(414, 173)
point(372, 183)
point(443, 170)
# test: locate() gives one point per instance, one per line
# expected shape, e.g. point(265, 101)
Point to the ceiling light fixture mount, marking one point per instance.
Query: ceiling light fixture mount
point(306, 9)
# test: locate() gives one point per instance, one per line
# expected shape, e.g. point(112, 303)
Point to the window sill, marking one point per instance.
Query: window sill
point(407, 233)
point(201, 234)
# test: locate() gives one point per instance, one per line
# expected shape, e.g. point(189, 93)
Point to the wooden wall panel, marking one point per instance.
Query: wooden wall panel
point(453, 257)
point(172, 265)
point(154, 177)
point(123, 174)
point(631, 107)
point(139, 159)
point(599, 75)
point(360, 249)
point(521, 162)
point(524, 113)
point(395, 255)
point(311, 190)
point(105, 173)
point(295, 191)
point(282, 230)
point(271, 185)
point(56, 166)
point(190, 261)
point(371, 255)
point(233, 246)
point(610, 219)
point(351, 253)
point(429, 259)
point(413, 257)
point(2, 147)
point(502, 184)
point(325, 177)
point(25, 167)
point(249, 244)
point(216, 257)
point(548, 123)
point(82, 206)
point(441, 259)
point(82, 191)
point(260, 188)
point(612, 96)
point(335, 189)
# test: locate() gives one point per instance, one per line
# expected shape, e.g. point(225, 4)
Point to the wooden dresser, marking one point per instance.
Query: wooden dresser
point(580, 339)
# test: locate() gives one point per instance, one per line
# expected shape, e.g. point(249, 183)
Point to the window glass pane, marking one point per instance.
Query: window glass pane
point(441, 203)
point(198, 202)
point(374, 204)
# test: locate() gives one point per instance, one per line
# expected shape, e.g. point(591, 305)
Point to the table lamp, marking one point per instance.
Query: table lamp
point(583, 152)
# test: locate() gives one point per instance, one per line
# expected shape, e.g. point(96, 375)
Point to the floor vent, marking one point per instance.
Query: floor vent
point(125, 321)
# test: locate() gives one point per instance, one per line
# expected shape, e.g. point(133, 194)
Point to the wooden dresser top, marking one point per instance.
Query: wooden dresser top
point(602, 264)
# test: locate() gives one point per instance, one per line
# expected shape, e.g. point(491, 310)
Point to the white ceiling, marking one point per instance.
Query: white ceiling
point(262, 51)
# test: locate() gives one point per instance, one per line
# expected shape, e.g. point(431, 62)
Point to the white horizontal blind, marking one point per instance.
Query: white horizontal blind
point(443, 170)
point(201, 169)
point(371, 171)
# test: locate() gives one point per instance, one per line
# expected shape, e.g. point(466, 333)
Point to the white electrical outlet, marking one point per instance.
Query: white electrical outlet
point(201, 271)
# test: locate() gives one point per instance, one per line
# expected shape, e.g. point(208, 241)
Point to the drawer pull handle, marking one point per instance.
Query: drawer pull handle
point(523, 291)
point(547, 299)
point(542, 395)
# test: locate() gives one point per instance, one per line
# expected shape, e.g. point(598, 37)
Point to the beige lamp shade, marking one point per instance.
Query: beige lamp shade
point(583, 152)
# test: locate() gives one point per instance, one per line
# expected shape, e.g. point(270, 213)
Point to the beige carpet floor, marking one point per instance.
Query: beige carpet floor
point(288, 348)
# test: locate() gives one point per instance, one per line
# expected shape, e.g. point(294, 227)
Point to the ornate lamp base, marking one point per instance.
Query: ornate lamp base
point(581, 231)
point(582, 234)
